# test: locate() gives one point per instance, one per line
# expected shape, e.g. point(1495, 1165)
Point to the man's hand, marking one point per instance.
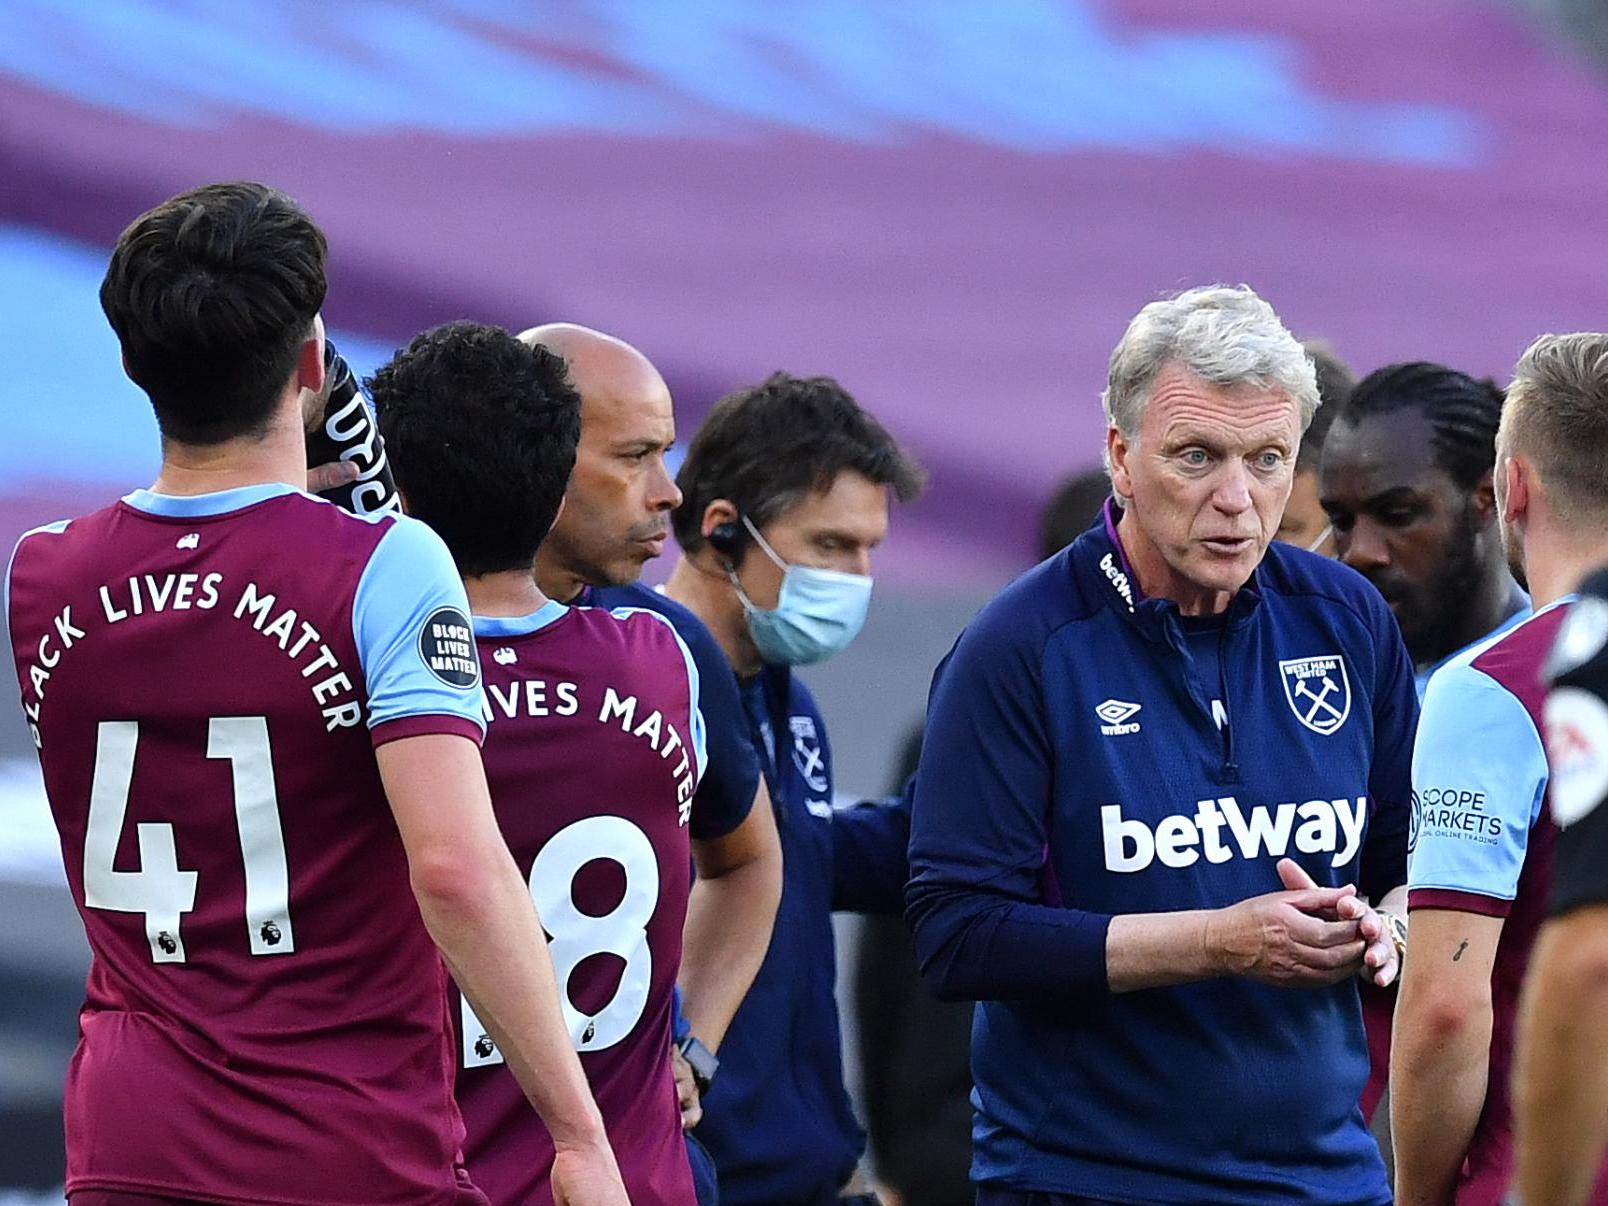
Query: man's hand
point(587, 1177)
point(331, 476)
point(1299, 937)
point(686, 1091)
point(1380, 961)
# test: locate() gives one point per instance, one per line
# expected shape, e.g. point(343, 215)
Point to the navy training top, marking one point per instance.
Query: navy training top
point(777, 1119)
point(1090, 752)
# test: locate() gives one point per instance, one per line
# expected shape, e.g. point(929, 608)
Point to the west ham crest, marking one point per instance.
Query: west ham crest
point(807, 754)
point(1318, 691)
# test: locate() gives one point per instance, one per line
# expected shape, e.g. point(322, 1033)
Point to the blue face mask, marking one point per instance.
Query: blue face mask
point(818, 612)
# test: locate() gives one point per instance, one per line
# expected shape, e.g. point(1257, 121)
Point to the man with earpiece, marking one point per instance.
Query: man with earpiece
point(785, 493)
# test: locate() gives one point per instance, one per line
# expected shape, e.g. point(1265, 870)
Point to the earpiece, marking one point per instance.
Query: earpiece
point(727, 539)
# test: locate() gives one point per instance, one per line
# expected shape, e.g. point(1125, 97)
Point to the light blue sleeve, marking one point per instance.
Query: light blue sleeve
point(700, 741)
point(411, 621)
point(1479, 775)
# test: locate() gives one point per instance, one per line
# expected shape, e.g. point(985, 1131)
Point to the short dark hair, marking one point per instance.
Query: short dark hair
point(1463, 412)
point(767, 447)
point(211, 295)
point(1335, 383)
point(481, 431)
point(1071, 509)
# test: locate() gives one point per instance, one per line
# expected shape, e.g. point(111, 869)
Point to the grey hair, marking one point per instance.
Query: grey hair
point(1224, 334)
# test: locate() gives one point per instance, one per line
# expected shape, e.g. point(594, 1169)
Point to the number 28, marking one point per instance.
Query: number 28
point(577, 936)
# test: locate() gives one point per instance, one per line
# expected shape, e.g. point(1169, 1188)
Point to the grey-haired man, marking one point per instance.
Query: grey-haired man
point(1164, 774)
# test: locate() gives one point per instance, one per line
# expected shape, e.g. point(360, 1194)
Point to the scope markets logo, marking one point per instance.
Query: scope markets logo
point(1454, 812)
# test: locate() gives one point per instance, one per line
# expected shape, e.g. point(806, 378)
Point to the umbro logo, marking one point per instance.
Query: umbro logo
point(504, 656)
point(188, 541)
point(1118, 717)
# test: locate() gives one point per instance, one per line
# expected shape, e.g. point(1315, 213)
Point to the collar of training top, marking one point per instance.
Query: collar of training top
point(1099, 555)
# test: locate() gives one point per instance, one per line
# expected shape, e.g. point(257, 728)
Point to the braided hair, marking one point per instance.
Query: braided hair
point(1335, 384)
point(1463, 412)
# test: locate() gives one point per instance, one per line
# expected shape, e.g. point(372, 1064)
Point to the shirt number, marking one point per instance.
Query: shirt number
point(161, 890)
point(576, 936)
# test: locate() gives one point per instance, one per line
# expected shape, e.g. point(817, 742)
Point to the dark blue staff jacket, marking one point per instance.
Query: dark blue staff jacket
point(1090, 752)
point(778, 1120)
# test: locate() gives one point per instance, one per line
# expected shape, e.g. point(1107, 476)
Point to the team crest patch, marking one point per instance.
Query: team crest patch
point(1318, 691)
point(447, 645)
point(808, 757)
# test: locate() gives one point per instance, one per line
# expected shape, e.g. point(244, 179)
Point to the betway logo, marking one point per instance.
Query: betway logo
point(1118, 579)
point(1220, 830)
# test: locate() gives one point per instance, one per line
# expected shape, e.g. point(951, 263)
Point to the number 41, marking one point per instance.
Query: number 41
point(160, 889)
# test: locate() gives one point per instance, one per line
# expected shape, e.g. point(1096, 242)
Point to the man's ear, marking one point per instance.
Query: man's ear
point(725, 539)
point(1118, 449)
point(310, 364)
point(1483, 499)
point(1514, 495)
point(719, 511)
point(311, 379)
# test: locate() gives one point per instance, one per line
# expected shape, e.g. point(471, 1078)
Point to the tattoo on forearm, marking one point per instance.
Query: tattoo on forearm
point(1461, 947)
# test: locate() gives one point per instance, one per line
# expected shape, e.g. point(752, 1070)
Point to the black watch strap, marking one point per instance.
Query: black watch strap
point(701, 1060)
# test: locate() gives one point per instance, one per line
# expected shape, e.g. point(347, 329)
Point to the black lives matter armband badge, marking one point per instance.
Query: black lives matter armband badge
point(447, 645)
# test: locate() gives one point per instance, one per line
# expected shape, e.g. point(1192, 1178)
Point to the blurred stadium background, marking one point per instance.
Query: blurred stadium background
point(952, 207)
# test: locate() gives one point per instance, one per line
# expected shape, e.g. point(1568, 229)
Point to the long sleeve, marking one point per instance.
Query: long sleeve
point(1395, 719)
point(980, 827)
point(870, 855)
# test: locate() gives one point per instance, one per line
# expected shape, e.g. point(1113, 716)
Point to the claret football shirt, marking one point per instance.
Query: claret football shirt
point(206, 679)
point(1483, 839)
point(594, 749)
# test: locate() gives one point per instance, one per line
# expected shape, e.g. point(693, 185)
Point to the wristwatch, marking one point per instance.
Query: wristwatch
point(701, 1060)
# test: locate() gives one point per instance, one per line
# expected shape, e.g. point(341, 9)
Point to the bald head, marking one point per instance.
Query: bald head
point(617, 511)
point(602, 369)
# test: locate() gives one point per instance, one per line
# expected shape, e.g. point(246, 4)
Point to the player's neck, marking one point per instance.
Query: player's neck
point(278, 454)
point(1559, 567)
point(555, 579)
point(1486, 609)
point(509, 593)
point(709, 596)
